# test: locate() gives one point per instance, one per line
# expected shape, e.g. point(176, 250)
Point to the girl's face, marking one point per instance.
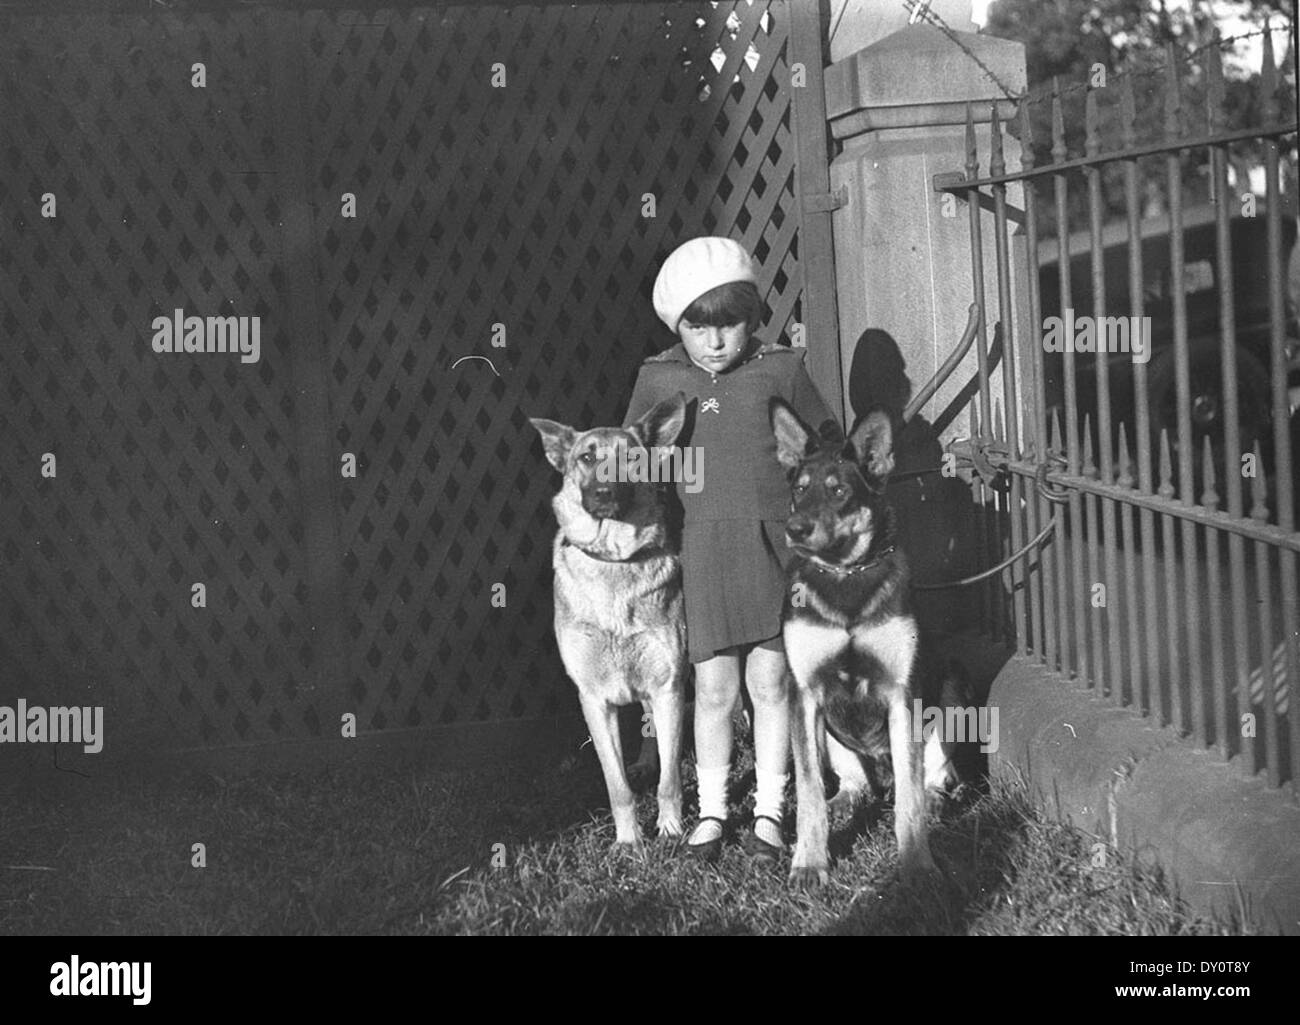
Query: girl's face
point(715, 349)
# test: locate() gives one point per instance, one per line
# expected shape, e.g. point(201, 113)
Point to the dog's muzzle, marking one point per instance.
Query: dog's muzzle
point(798, 529)
point(605, 501)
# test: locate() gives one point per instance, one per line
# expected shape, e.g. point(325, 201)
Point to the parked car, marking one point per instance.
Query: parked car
point(1201, 277)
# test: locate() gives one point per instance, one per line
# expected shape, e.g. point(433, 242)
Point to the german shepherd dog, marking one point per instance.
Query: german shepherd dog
point(619, 618)
point(851, 639)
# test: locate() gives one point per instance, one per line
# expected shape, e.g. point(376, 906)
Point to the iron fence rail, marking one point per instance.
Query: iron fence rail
point(1146, 595)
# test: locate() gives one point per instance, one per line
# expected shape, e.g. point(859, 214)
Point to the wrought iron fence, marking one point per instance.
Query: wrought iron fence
point(1170, 584)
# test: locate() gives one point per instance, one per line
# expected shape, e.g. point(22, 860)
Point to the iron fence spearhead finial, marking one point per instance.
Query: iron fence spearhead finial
point(1125, 478)
point(997, 165)
point(1173, 96)
point(1268, 78)
point(1059, 151)
point(1091, 124)
point(972, 152)
point(1128, 112)
point(1258, 489)
point(1026, 137)
point(1209, 497)
point(1166, 489)
point(1089, 465)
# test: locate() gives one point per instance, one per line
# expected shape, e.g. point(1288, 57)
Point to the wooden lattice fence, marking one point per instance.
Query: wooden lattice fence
point(476, 206)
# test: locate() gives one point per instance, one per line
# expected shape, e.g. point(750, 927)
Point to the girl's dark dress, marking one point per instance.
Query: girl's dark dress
point(733, 531)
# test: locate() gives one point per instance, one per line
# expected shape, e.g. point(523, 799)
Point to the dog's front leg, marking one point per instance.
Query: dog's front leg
point(852, 777)
point(602, 721)
point(669, 705)
point(909, 788)
point(811, 863)
point(646, 766)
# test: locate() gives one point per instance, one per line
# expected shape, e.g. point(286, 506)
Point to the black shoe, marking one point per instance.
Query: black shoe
point(710, 850)
point(758, 848)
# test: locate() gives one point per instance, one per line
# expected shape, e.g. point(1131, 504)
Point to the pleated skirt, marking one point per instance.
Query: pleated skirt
point(733, 582)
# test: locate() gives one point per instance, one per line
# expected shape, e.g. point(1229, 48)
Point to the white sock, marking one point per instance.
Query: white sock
point(713, 801)
point(769, 797)
point(713, 790)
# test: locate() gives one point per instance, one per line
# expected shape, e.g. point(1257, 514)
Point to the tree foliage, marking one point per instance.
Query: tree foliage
point(1078, 45)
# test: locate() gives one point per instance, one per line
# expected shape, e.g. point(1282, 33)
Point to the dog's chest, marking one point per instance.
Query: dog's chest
point(850, 664)
point(855, 675)
point(619, 598)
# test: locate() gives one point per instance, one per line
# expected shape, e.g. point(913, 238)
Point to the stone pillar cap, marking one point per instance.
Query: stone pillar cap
point(919, 76)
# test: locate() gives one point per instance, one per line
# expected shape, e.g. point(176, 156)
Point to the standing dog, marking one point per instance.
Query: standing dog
point(618, 601)
point(850, 637)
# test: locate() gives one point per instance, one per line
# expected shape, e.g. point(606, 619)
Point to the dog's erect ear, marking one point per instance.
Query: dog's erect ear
point(556, 440)
point(794, 439)
point(662, 422)
point(872, 444)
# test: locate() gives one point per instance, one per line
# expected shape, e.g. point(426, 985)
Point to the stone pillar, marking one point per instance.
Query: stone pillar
point(903, 255)
point(904, 276)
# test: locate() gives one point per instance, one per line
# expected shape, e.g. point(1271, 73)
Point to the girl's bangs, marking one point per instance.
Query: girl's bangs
point(737, 302)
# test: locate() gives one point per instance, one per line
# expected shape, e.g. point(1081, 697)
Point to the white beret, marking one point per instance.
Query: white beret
point(696, 267)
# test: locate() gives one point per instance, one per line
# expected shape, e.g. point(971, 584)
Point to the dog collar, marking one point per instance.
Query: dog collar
point(637, 556)
point(844, 571)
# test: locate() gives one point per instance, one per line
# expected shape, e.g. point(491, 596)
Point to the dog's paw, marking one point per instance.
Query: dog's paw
point(670, 825)
point(809, 877)
point(634, 845)
point(810, 867)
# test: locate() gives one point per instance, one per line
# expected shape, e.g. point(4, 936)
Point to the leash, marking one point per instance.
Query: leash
point(1018, 554)
point(979, 458)
point(1043, 489)
point(986, 458)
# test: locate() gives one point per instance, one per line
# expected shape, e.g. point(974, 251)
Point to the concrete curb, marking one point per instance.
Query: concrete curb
point(1110, 772)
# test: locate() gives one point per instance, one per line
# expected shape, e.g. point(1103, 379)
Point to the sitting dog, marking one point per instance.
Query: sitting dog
point(619, 618)
point(851, 639)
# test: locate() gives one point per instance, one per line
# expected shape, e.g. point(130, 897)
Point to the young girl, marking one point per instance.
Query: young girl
point(733, 533)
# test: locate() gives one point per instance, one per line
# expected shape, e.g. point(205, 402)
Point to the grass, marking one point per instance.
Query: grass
point(416, 851)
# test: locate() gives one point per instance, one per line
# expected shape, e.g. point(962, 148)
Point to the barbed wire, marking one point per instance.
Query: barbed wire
point(919, 10)
point(1044, 91)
